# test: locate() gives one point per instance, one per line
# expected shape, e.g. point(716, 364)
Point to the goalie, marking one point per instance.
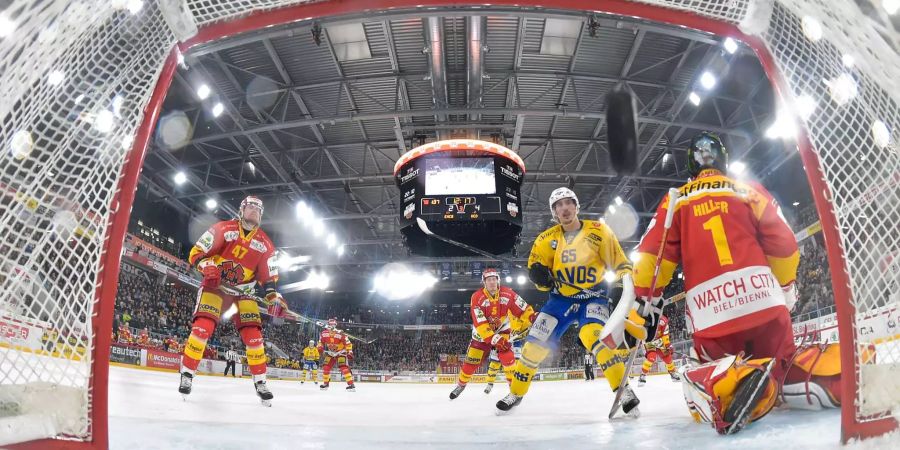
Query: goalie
point(739, 259)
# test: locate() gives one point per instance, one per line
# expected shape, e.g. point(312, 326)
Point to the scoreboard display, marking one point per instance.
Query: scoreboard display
point(473, 184)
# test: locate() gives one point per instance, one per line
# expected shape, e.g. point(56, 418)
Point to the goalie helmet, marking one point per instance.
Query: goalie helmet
point(490, 272)
point(706, 152)
point(559, 194)
point(332, 324)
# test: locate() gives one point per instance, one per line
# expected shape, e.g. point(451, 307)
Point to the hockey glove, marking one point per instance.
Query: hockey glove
point(273, 297)
point(212, 278)
point(500, 342)
point(541, 276)
point(350, 355)
point(650, 310)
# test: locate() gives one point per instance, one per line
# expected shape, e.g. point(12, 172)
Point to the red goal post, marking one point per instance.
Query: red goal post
point(78, 118)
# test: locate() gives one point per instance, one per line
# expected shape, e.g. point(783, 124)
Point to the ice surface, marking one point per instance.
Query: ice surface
point(146, 411)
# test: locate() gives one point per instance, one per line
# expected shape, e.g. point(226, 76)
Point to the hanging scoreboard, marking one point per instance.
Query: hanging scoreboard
point(465, 189)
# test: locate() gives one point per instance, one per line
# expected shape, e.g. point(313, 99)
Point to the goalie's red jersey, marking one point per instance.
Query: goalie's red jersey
point(242, 257)
point(736, 252)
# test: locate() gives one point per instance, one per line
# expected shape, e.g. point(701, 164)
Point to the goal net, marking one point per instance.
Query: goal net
point(83, 80)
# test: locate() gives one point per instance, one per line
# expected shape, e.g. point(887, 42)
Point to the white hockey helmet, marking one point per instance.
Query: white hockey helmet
point(490, 272)
point(561, 193)
point(312, 342)
point(252, 201)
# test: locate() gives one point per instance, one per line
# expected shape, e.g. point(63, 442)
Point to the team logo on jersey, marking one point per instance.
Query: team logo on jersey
point(231, 273)
point(258, 246)
point(553, 244)
point(206, 241)
point(231, 236)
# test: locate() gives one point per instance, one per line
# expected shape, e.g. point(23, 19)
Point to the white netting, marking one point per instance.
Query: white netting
point(846, 63)
point(76, 76)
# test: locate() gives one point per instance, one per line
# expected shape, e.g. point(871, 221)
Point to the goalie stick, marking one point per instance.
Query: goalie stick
point(288, 314)
point(424, 227)
point(618, 398)
point(614, 331)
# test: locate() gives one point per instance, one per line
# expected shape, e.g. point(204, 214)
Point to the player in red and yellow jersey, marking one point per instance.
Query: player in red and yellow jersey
point(739, 259)
point(491, 307)
point(125, 336)
point(144, 337)
point(659, 348)
point(337, 348)
point(239, 254)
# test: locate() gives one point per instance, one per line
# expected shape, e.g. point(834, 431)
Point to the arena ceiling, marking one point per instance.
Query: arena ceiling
point(320, 111)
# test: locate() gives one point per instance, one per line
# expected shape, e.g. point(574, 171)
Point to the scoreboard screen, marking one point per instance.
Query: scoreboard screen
point(445, 176)
point(465, 190)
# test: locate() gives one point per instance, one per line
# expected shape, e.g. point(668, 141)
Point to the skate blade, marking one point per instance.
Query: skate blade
point(266, 403)
point(500, 412)
point(184, 397)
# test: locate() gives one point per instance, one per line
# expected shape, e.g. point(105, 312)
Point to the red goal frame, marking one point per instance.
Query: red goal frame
point(107, 282)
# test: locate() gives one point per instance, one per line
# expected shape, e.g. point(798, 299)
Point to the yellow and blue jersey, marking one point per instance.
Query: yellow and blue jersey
point(584, 261)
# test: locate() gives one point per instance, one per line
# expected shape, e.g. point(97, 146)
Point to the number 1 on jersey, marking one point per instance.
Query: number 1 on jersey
point(714, 226)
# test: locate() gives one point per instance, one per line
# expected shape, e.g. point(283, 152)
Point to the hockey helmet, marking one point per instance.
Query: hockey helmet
point(332, 324)
point(490, 272)
point(252, 201)
point(312, 342)
point(706, 152)
point(559, 194)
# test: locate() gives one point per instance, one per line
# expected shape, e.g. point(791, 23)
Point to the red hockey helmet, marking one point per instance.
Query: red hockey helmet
point(332, 324)
point(490, 272)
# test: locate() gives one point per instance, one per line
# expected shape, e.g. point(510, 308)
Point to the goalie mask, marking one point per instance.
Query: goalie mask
point(251, 212)
point(706, 152)
point(559, 194)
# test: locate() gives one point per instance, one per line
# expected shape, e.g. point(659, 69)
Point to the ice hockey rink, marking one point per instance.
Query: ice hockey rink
point(146, 411)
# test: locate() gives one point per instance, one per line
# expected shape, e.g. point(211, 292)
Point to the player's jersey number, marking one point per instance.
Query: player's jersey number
point(239, 252)
point(715, 227)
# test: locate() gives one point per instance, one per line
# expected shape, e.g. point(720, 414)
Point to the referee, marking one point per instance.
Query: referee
point(588, 366)
point(230, 358)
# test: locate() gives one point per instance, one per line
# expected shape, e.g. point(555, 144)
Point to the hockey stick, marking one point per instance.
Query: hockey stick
point(620, 390)
point(621, 130)
point(614, 331)
point(424, 227)
point(288, 314)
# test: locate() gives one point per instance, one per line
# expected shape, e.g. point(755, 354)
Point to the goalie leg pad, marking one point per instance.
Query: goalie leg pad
point(716, 391)
point(256, 351)
point(532, 355)
point(813, 378)
point(202, 329)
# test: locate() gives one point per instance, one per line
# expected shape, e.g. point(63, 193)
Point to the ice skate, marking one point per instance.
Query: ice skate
point(457, 390)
